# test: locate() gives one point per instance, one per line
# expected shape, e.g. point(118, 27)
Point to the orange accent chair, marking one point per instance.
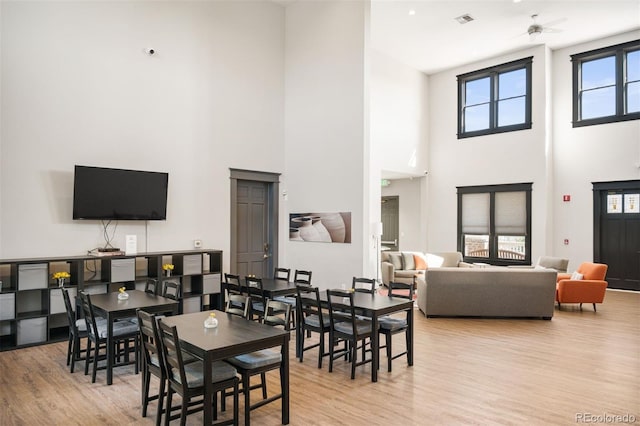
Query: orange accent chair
point(590, 289)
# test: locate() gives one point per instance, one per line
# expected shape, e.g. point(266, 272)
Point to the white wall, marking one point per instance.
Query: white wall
point(513, 157)
point(399, 116)
point(582, 155)
point(411, 214)
point(326, 143)
point(77, 88)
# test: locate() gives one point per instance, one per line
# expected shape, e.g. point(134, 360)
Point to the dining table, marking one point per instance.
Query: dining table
point(233, 336)
point(109, 306)
point(375, 306)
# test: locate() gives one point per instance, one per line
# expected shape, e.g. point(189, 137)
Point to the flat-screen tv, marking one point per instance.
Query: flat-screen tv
point(116, 194)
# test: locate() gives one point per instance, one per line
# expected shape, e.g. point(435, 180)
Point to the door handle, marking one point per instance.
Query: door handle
point(265, 249)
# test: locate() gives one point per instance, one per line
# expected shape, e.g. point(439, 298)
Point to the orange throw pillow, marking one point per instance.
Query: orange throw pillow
point(420, 261)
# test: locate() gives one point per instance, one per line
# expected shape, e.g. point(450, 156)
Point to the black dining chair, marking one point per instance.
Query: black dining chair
point(258, 299)
point(276, 314)
point(390, 325)
point(364, 285)
point(97, 331)
point(187, 379)
point(171, 290)
point(151, 286)
point(302, 277)
point(345, 326)
point(283, 274)
point(238, 304)
point(311, 318)
point(77, 333)
point(152, 362)
point(232, 284)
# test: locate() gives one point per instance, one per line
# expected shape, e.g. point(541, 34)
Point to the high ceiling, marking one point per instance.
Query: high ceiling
point(425, 35)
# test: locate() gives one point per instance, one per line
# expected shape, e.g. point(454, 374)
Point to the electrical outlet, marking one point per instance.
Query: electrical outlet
point(197, 243)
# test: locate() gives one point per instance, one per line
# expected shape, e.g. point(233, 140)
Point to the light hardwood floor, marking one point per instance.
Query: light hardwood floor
point(467, 371)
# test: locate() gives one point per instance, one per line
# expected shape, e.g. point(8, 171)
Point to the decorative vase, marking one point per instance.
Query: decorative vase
point(211, 321)
point(168, 272)
point(323, 233)
point(334, 224)
point(307, 231)
point(123, 296)
point(60, 282)
point(294, 234)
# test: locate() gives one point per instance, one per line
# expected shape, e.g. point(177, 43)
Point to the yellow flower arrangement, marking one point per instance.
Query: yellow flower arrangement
point(61, 275)
point(122, 289)
point(168, 266)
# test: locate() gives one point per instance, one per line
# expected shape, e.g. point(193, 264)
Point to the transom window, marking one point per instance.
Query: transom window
point(606, 85)
point(495, 100)
point(494, 223)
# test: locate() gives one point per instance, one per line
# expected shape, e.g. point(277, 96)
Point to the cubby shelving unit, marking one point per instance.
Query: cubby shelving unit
point(32, 310)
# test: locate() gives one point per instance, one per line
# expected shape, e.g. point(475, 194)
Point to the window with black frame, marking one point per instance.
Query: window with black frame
point(494, 224)
point(495, 99)
point(606, 85)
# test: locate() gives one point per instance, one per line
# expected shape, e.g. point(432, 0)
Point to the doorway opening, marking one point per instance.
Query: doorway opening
point(389, 216)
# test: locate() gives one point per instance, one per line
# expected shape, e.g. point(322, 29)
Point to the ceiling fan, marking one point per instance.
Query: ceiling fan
point(535, 30)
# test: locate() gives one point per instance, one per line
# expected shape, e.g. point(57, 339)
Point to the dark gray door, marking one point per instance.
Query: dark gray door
point(617, 232)
point(254, 222)
point(253, 243)
point(390, 223)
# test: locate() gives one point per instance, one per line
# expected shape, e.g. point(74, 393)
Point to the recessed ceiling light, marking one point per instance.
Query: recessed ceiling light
point(517, 1)
point(463, 19)
point(412, 12)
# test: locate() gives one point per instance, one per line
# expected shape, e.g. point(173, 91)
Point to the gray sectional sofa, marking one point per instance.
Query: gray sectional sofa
point(487, 292)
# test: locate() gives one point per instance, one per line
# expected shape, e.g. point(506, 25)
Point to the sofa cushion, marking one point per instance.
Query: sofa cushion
point(396, 260)
point(407, 261)
point(420, 261)
point(577, 276)
point(407, 273)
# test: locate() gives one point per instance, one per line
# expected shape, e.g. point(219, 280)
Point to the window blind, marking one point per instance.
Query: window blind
point(475, 213)
point(511, 213)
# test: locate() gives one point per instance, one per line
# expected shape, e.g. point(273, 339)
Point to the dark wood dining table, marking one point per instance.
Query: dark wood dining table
point(110, 307)
point(233, 336)
point(375, 306)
